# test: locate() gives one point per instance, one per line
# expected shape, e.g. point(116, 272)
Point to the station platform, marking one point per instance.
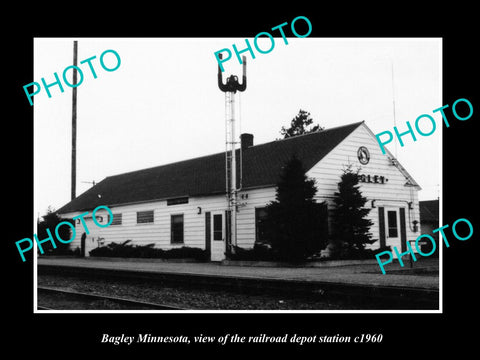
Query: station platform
point(423, 275)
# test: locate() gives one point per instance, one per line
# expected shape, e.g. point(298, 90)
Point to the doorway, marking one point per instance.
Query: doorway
point(392, 224)
point(218, 236)
point(82, 244)
point(395, 231)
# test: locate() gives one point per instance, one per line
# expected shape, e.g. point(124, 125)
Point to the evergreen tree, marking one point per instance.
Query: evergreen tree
point(350, 227)
point(49, 221)
point(299, 125)
point(293, 224)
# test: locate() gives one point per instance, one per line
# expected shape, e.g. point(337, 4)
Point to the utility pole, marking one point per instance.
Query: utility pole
point(230, 88)
point(394, 113)
point(74, 123)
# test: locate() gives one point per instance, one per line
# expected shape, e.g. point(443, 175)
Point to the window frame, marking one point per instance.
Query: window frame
point(173, 228)
point(145, 222)
point(217, 231)
point(258, 220)
point(389, 223)
point(116, 217)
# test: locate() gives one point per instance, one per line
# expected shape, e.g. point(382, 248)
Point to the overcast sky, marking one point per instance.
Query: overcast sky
point(163, 104)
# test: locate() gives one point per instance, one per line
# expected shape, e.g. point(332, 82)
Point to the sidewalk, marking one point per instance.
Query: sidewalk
point(364, 274)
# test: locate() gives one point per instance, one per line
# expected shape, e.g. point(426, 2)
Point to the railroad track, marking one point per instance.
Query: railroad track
point(61, 299)
point(370, 296)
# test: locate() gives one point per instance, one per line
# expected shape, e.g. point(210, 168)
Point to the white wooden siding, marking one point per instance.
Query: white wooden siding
point(246, 214)
point(158, 232)
point(393, 193)
point(327, 174)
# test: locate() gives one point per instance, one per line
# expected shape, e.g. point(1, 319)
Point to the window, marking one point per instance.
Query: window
point(144, 217)
point(260, 225)
point(217, 227)
point(176, 227)
point(117, 219)
point(392, 223)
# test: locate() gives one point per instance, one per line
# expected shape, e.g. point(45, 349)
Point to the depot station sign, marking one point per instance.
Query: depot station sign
point(364, 158)
point(372, 179)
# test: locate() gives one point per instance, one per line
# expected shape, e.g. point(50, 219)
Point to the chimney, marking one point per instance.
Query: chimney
point(246, 141)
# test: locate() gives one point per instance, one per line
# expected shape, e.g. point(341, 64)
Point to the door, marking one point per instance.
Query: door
point(208, 233)
point(217, 244)
point(82, 244)
point(90, 241)
point(392, 227)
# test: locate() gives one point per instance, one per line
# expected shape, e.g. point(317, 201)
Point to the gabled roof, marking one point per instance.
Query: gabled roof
point(410, 180)
point(205, 175)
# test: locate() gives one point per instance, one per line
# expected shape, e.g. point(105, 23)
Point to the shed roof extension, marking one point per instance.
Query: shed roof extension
point(205, 175)
point(429, 211)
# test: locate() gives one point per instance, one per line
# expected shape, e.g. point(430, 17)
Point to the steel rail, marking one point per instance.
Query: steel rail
point(115, 299)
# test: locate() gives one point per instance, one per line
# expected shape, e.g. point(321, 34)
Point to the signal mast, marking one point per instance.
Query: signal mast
point(230, 88)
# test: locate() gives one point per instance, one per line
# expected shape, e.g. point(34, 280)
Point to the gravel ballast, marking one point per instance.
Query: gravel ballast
point(192, 298)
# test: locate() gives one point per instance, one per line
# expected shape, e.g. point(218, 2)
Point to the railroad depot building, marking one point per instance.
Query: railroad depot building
point(184, 203)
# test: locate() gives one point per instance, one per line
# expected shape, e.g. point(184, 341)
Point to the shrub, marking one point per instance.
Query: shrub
point(257, 253)
point(128, 250)
point(348, 253)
